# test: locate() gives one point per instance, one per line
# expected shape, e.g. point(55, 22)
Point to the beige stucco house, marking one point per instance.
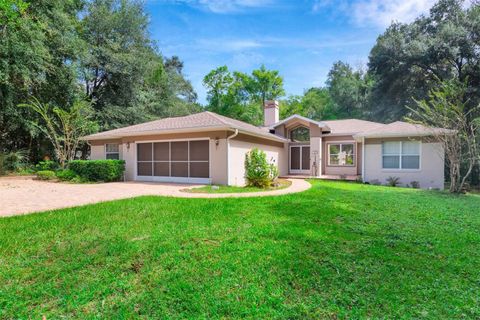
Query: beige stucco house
point(210, 148)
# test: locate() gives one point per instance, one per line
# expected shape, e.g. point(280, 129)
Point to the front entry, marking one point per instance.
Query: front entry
point(300, 159)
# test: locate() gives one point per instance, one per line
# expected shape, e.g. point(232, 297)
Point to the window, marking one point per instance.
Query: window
point(300, 134)
point(401, 155)
point(341, 154)
point(111, 151)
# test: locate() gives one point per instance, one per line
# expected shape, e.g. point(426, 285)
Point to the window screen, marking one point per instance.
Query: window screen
point(174, 159)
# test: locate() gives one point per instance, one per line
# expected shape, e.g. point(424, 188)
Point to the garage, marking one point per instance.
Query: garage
point(173, 161)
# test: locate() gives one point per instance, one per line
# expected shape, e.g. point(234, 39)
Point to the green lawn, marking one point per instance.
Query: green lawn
point(338, 250)
point(282, 184)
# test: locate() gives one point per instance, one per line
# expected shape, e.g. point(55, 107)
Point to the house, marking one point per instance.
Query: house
point(210, 148)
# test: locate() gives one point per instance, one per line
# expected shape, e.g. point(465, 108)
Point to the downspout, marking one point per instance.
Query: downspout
point(228, 154)
point(363, 159)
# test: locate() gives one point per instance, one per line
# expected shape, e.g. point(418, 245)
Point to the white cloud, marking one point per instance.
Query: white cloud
point(379, 13)
point(383, 12)
point(227, 45)
point(227, 6)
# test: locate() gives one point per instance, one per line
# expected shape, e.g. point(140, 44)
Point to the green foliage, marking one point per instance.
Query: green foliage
point(408, 60)
point(321, 254)
point(11, 10)
point(242, 96)
point(63, 51)
point(446, 108)
point(349, 90)
point(415, 184)
point(393, 181)
point(63, 127)
point(266, 84)
point(279, 184)
point(258, 172)
point(15, 160)
point(98, 170)
point(47, 165)
point(38, 51)
point(315, 103)
point(66, 175)
point(3, 171)
point(45, 175)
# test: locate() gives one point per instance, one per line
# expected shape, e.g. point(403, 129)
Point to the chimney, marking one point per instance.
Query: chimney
point(270, 113)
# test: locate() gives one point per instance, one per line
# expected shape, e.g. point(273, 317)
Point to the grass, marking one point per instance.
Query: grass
point(338, 250)
point(282, 184)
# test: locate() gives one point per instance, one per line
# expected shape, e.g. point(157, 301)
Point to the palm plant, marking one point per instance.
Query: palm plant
point(13, 161)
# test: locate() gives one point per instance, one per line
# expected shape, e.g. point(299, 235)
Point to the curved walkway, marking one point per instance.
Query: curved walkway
point(21, 195)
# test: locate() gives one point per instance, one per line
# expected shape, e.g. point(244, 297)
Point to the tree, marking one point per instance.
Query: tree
point(165, 91)
point(38, 44)
point(266, 84)
point(349, 90)
point(410, 59)
point(242, 96)
point(116, 59)
point(64, 127)
point(446, 108)
point(217, 82)
point(315, 103)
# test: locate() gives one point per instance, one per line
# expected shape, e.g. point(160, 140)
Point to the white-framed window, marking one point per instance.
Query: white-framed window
point(112, 151)
point(341, 154)
point(402, 155)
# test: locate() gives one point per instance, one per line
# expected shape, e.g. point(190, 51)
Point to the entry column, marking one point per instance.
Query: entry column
point(316, 156)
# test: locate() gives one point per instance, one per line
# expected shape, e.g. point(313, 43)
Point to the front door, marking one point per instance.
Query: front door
point(300, 159)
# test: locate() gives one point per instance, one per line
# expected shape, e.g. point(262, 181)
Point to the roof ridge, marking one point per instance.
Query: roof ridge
point(216, 116)
point(349, 119)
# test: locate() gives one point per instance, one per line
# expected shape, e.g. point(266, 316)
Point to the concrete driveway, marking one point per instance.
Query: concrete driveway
point(21, 195)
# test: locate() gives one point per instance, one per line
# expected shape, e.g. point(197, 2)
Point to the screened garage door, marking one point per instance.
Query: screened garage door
point(174, 161)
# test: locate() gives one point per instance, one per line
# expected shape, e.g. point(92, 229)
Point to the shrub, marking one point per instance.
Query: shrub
point(15, 160)
point(258, 172)
point(98, 170)
point(66, 175)
point(2, 167)
point(46, 175)
point(273, 172)
point(393, 181)
point(47, 165)
point(415, 184)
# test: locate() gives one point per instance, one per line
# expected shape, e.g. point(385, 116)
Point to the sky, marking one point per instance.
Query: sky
point(300, 38)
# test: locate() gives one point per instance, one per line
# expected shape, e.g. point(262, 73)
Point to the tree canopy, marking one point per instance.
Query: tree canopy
point(408, 60)
point(63, 51)
point(242, 96)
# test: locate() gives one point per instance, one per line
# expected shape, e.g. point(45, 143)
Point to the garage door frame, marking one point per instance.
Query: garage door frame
point(174, 179)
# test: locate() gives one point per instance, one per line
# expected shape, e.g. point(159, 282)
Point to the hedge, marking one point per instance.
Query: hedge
point(45, 175)
point(98, 170)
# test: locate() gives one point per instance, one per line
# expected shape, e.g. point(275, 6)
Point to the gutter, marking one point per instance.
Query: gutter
point(228, 154)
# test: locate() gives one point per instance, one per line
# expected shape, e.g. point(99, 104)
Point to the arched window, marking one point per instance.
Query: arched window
point(300, 134)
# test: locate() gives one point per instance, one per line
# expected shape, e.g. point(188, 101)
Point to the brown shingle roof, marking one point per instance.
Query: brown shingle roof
point(199, 121)
point(351, 126)
point(399, 129)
